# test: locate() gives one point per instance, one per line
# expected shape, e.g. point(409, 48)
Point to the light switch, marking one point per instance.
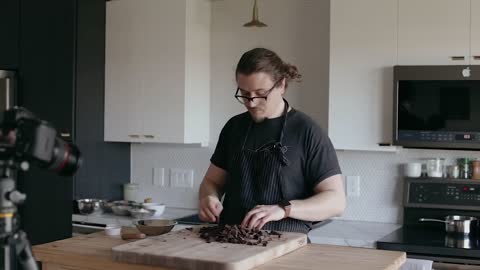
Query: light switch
point(158, 178)
point(353, 186)
point(181, 178)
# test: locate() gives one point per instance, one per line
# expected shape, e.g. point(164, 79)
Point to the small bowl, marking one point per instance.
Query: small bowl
point(141, 213)
point(158, 207)
point(88, 206)
point(121, 210)
point(106, 206)
point(155, 226)
point(112, 229)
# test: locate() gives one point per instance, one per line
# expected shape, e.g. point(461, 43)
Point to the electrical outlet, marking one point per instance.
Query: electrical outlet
point(181, 178)
point(353, 186)
point(158, 178)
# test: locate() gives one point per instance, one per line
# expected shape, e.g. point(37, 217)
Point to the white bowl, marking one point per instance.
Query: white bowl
point(112, 229)
point(158, 207)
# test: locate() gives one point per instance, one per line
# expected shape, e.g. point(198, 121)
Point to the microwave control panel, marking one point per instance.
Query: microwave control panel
point(437, 136)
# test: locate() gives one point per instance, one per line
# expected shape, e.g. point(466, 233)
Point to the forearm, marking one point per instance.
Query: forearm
point(321, 206)
point(209, 188)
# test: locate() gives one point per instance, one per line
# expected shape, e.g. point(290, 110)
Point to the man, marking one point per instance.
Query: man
point(277, 168)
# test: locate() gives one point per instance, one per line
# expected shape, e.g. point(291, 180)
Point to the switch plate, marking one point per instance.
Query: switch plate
point(158, 178)
point(353, 186)
point(181, 178)
point(188, 178)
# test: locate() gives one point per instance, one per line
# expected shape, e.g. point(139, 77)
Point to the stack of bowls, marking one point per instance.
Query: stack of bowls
point(158, 207)
point(88, 206)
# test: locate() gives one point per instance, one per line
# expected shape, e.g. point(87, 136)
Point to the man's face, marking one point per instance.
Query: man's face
point(260, 84)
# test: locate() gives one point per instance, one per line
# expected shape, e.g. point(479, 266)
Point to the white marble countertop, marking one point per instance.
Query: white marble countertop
point(101, 218)
point(352, 233)
point(337, 232)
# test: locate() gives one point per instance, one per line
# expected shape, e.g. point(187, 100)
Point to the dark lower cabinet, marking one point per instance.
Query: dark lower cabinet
point(9, 36)
point(61, 80)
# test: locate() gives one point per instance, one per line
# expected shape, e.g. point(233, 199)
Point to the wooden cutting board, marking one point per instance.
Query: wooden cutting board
point(184, 249)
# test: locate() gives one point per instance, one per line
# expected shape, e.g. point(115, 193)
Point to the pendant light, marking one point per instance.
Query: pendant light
point(255, 21)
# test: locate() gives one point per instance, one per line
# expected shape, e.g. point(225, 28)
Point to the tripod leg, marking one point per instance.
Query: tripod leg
point(7, 257)
point(24, 251)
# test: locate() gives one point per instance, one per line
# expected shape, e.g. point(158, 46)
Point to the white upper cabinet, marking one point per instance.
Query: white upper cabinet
point(475, 32)
point(363, 51)
point(434, 32)
point(157, 71)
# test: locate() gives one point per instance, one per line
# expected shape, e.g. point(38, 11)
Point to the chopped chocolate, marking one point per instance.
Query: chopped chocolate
point(237, 235)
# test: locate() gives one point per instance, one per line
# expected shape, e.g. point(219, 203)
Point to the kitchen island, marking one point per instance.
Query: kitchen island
point(93, 252)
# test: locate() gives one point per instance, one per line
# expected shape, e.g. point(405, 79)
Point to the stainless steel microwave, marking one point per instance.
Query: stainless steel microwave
point(437, 107)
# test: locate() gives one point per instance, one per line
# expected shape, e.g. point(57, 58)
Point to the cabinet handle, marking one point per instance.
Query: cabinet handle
point(457, 58)
point(476, 57)
point(149, 136)
point(65, 135)
point(134, 136)
point(8, 86)
point(384, 144)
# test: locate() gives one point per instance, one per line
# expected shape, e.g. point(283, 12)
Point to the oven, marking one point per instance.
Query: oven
point(436, 199)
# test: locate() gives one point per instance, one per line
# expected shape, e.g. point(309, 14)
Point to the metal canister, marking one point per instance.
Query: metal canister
point(453, 171)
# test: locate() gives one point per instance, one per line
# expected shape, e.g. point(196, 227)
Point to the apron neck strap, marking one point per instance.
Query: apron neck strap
point(285, 113)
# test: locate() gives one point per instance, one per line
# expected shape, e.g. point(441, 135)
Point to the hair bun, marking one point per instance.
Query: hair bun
point(291, 72)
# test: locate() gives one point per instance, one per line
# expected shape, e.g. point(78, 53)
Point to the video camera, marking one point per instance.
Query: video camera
point(25, 139)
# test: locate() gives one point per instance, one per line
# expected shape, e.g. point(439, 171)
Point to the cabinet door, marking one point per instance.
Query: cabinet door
point(46, 87)
point(363, 52)
point(123, 72)
point(163, 48)
point(9, 23)
point(475, 32)
point(434, 32)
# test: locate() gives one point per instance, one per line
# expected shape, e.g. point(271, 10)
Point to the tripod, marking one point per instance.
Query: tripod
point(13, 241)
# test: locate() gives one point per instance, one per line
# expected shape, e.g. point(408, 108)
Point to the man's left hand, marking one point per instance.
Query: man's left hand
point(261, 214)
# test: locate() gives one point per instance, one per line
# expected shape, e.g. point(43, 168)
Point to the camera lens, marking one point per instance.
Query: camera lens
point(66, 158)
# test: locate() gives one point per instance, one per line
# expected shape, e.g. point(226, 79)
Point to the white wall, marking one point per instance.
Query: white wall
point(297, 30)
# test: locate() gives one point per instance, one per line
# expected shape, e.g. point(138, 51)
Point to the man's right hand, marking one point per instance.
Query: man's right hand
point(210, 208)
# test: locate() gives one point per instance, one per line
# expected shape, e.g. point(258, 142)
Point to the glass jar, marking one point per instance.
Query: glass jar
point(465, 170)
point(130, 192)
point(453, 171)
point(435, 167)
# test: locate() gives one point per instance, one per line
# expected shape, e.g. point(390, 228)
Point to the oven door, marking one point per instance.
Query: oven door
point(449, 266)
point(448, 263)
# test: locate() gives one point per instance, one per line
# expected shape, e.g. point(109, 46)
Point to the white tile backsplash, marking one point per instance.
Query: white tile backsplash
point(381, 184)
point(145, 157)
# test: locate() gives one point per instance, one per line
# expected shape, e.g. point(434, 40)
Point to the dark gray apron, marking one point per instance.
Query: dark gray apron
point(255, 178)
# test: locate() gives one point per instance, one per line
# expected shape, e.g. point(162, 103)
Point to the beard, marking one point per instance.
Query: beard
point(257, 116)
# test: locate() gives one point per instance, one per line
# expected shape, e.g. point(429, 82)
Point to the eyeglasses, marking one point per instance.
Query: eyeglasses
point(245, 99)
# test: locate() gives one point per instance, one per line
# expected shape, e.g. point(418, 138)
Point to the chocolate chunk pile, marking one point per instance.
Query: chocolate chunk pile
point(237, 235)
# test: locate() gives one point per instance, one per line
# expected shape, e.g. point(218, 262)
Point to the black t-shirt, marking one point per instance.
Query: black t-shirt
point(311, 156)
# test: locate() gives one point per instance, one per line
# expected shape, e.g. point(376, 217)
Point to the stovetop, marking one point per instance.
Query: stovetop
point(434, 241)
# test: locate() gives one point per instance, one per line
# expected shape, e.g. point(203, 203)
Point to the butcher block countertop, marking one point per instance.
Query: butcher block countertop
point(94, 252)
